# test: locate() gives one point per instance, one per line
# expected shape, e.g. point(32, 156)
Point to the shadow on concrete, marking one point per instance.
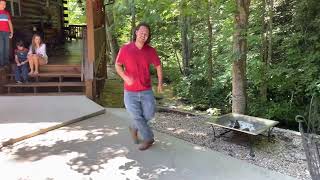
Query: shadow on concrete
point(91, 147)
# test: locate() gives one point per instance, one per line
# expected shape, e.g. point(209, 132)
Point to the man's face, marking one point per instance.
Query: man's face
point(2, 5)
point(142, 34)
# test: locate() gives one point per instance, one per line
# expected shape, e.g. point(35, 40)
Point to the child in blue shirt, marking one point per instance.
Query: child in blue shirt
point(21, 59)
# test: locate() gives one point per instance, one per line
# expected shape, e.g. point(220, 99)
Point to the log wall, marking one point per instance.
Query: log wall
point(36, 13)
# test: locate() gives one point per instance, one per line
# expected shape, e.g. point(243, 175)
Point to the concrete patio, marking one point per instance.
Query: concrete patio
point(26, 116)
point(100, 148)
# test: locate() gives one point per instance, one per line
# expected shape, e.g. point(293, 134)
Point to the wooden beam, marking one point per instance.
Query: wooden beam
point(89, 89)
point(90, 31)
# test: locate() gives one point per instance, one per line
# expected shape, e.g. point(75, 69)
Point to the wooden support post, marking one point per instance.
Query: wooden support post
point(3, 79)
point(89, 89)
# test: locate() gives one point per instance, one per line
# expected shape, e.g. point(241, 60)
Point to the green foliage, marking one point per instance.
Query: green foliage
point(292, 74)
point(76, 12)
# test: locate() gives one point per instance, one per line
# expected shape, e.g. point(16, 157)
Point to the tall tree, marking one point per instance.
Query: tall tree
point(210, 39)
point(270, 29)
point(266, 45)
point(239, 83)
point(186, 38)
point(112, 45)
point(133, 16)
point(263, 52)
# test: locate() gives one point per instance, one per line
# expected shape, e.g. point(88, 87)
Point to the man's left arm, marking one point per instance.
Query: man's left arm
point(159, 74)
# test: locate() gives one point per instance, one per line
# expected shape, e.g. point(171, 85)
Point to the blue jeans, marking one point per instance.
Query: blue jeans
point(141, 107)
point(4, 48)
point(22, 71)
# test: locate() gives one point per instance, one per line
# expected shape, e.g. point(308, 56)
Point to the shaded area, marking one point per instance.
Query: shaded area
point(85, 146)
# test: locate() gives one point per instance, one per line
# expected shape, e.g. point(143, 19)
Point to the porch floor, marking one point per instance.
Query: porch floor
point(68, 53)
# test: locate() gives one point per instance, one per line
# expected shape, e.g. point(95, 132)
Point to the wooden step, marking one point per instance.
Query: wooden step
point(45, 94)
point(60, 68)
point(58, 75)
point(53, 74)
point(46, 84)
point(36, 85)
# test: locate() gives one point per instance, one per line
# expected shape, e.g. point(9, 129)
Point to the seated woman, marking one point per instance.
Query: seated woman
point(37, 55)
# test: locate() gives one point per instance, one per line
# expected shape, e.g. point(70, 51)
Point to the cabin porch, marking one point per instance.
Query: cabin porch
point(62, 75)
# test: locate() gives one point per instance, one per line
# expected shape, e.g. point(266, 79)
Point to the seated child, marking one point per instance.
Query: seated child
point(20, 56)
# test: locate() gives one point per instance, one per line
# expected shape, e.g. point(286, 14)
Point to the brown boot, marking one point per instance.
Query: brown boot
point(134, 135)
point(146, 145)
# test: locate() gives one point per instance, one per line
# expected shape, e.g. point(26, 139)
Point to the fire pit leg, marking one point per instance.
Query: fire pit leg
point(219, 135)
point(214, 132)
point(269, 133)
point(251, 139)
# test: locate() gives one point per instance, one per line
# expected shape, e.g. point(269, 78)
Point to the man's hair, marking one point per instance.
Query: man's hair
point(3, 0)
point(138, 27)
point(20, 42)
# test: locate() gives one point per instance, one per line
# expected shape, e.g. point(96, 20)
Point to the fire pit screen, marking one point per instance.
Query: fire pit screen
point(246, 124)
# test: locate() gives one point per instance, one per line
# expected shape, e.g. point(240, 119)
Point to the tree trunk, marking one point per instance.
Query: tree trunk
point(266, 53)
point(263, 51)
point(115, 43)
point(112, 47)
point(185, 39)
point(239, 95)
point(270, 31)
point(209, 60)
point(184, 43)
point(178, 61)
point(133, 17)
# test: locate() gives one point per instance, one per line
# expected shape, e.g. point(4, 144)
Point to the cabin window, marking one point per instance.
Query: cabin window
point(14, 7)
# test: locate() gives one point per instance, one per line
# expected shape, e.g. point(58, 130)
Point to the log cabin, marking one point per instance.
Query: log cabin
point(66, 73)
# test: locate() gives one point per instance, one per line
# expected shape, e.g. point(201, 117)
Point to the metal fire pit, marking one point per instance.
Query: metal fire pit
point(250, 125)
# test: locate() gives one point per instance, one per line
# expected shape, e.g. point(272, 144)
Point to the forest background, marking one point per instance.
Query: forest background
point(267, 52)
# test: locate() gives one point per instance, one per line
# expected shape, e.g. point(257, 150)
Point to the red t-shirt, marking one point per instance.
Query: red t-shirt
point(137, 65)
point(4, 20)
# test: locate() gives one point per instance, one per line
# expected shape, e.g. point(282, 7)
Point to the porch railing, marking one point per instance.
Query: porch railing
point(75, 31)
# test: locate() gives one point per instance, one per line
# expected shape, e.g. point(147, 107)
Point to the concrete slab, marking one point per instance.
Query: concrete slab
point(25, 116)
point(100, 148)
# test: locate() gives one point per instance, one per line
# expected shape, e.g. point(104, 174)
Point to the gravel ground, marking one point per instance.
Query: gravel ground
point(284, 153)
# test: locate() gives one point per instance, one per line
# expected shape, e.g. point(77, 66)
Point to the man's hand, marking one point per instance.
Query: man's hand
point(128, 80)
point(10, 35)
point(19, 64)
